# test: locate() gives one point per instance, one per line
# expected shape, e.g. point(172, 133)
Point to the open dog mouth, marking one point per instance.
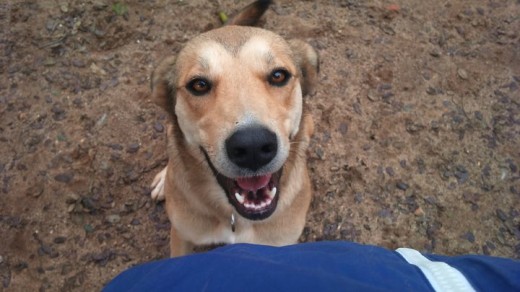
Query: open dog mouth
point(254, 197)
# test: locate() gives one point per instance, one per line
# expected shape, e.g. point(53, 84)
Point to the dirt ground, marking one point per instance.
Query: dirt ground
point(417, 128)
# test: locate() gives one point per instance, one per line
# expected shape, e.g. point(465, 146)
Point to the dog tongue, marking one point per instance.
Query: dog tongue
point(253, 183)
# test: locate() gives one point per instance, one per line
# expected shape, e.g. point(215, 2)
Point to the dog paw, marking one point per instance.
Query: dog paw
point(158, 186)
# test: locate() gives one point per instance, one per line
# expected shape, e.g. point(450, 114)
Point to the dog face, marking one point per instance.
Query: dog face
point(236, 96)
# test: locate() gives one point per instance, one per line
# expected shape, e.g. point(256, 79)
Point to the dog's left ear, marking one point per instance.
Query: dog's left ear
point(163, 91)
point(307, 60)
point(250, 14)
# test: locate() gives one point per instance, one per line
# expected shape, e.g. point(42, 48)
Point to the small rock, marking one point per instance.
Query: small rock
point(45, 250)
point(387, 29)
point(158, 127)
point(387, 95)
point(512, 165)
point(343, 128)
point(413, 127)
point(78, 63)
point(35, 190)
point(72, 198)
point(435, 53)
point(113, 219)
point(21, 266)
point(60, 239)
point(469, 236)
point(135, 222)
point(117, 147)
point(357, 108)
point(358, 198)
point(419, 212)
point(133, 148)
point(402, 186)
point(390, 171)
point(50, 25)
point(88, 228)
point(462, 74)
point(65, 177)
point(461, 174)
point(501, 215)
point(89, 204)
point(49, 62)
point(372, 95)
point(104, 257)
point(100, 5)
point(64, 7)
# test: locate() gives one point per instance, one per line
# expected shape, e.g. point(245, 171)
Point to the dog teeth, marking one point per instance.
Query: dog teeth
point(272, 193)
point(239, 198)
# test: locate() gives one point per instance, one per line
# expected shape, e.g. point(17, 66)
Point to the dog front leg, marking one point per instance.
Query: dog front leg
point(179, 246)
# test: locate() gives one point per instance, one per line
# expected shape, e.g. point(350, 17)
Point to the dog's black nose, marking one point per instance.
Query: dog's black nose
point(252, 147)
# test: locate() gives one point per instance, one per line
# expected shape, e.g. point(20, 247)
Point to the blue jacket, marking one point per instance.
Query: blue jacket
point(320, 266)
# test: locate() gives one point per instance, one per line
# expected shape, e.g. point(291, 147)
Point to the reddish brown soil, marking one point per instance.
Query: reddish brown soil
point(417, 129)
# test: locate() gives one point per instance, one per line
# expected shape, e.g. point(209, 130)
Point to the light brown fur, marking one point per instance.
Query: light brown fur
point(237, 60)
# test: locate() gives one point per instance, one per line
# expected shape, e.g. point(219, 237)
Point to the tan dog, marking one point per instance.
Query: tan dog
point(238, 136)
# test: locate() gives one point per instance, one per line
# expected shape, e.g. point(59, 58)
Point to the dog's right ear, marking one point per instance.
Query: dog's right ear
point(163, 90)
point(250, 14)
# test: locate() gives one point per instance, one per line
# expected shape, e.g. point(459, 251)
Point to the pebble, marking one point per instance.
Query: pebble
point(501, 215)
point(158, 127)
point(135, 222)
point(88, 204)
point(469, 236)
point(88, 228)
point(21, 266)
point(357, 108)
point(113, 219)
point(390, 171)
point(79, 63)
point(387, 95)
point(512, 165)
point(372, 95)
point(50, 25)
point(343, 128)
point(419, 212)
point(434, 90)
point(402, 186)
point(133, 148)
point(35, 190)
point(72, 198)
point(413, 127)
point(65, 177)
point(435, 53)
point(60, 239)
point(358, 198)
point(462, 74)
point(104, 257)
point(58, 112)
point(115, 146)
point(461, 174)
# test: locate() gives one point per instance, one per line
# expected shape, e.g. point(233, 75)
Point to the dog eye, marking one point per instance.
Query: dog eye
point(279, 77)
point(199, 86)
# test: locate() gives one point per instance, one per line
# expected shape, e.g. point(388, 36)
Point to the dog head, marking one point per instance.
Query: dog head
point(235, 94)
